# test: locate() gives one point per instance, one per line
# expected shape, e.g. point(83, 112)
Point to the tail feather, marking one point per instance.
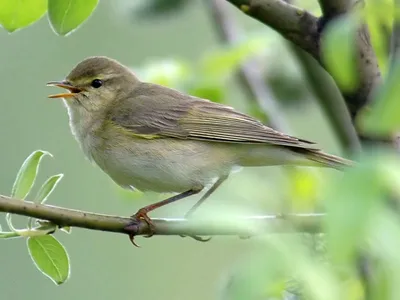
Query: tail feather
point(327, 160)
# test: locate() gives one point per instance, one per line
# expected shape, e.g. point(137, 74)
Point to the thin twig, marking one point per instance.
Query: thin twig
point(244, 226)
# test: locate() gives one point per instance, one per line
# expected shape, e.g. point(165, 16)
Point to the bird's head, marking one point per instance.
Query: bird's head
point(95, 83)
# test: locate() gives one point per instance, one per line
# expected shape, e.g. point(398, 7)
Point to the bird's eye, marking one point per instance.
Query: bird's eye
point(96, 83)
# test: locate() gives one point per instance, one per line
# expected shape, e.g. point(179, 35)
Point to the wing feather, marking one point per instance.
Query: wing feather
point(155, 110)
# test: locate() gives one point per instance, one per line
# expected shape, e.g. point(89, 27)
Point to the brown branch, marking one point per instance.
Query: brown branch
point(395, 37)
point(245, 226)
point(304, 30)
point(293, 23)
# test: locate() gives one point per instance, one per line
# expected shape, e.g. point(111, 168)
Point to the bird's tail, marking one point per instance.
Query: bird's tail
point(325, 159)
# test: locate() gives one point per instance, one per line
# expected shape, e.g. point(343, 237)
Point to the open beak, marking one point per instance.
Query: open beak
point(65, 85)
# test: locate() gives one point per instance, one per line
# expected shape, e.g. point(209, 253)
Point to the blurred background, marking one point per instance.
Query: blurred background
point(181, 48)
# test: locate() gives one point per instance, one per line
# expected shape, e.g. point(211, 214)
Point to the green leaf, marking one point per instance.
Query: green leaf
point(381, 118)
point(339, 51)
point(16, 14)
point(50, 257)
point(67, 15)
point(47, 188)
point(27, 174)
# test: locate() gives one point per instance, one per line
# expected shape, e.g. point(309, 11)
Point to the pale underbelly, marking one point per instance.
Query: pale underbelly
point(184, 166)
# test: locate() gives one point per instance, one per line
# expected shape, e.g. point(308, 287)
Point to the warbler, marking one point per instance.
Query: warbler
point(154, 138)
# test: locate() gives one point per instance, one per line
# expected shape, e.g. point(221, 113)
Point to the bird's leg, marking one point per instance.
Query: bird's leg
point(201, 201)
point(205, 196)
point(142, 213)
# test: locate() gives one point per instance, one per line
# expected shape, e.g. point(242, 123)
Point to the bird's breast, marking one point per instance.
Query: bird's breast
point(161, 165)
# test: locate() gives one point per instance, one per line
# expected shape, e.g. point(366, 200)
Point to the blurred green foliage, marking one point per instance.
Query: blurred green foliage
point(206, 78)
point(340, 52)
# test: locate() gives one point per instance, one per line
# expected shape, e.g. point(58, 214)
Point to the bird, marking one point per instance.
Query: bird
point(151, 137)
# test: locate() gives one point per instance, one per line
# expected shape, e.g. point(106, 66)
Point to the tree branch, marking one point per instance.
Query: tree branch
point(304, 30)
point(395, 37)
point(293, 23)
point(245, 226)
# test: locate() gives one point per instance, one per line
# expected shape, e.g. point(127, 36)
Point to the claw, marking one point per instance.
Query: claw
point(132, 239)
point(142, 215)
point(132, 230)
point(197, 238)
point(200, 239)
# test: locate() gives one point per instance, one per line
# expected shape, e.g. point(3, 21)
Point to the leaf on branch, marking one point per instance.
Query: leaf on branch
point(16, 14)
point(47, 188)
point(27, 174)
point(50, 257)
point(67, 15)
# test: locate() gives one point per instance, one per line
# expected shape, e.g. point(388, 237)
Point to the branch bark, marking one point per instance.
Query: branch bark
point(245, 226)
point(304, 30)
point(395, 38)
point(293, 23)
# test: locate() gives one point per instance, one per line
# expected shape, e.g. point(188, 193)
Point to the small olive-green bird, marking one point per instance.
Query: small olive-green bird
point(154, 138)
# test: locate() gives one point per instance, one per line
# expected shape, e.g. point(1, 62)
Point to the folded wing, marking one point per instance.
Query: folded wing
point(157, 112)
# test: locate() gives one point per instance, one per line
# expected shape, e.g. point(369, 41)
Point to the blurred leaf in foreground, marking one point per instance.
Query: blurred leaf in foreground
point(351, 202)
point(339, 51)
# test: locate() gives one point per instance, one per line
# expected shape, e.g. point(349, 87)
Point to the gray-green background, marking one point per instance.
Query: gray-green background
point(106, 266)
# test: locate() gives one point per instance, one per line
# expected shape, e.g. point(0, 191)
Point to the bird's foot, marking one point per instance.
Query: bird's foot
point(132, 228)
point(142, 215)
point(195, 237)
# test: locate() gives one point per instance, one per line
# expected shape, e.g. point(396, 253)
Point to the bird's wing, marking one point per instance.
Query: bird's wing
point(152, 111)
